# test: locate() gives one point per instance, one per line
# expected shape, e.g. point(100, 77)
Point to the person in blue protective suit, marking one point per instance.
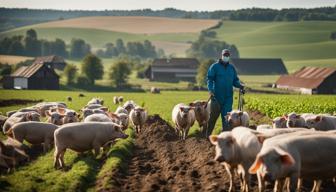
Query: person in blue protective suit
point(221, 79)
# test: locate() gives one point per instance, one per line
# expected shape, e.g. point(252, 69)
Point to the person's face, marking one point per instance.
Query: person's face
point(226, 57)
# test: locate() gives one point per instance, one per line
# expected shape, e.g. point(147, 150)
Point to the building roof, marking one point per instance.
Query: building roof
point(176, 62)
point(259, 66)
point(49, 59)
point(28, 71)
point(306, 77)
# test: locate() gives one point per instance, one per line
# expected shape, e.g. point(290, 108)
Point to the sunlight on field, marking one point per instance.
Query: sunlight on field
point(12, 60)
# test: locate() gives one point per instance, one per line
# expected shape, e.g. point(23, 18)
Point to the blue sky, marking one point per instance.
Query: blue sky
point(161, 4)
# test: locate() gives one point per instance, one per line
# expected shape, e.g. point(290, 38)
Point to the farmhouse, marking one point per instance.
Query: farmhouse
point(310, 80)
point(35, 76)
point(56, 62)
point(173, 70)
point(258, 66)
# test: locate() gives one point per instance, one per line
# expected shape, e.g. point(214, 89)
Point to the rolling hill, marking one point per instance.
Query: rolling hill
point(297, 43)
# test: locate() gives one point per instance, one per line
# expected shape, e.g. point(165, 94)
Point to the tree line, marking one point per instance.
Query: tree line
point(30, 45)
point(92, 69)
point(135, 49)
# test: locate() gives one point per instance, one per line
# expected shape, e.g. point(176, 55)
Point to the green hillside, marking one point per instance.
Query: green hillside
point(297, 43)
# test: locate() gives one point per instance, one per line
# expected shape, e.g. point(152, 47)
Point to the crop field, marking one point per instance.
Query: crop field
point(12, 60)
point(134, 25)
point(146, 161)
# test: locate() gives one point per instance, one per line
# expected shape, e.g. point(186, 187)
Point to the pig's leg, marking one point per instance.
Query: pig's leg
point(56, 158)
point(61, 158)
point(230, 171)
point(261, 182)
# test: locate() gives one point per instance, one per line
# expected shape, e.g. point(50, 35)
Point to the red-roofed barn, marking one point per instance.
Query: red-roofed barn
point(310, 80)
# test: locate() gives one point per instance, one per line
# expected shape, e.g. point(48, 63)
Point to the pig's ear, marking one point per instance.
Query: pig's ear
point(240, 113)
point(181, 108)
point(255, 166)
point(191, 104)
point(285, 157)
point(298, 116)
point(204, 103)
point(47, 113)
point(318, 118)
point(213, 139)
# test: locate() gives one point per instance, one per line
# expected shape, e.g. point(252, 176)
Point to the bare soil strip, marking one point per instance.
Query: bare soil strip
point(163, 163)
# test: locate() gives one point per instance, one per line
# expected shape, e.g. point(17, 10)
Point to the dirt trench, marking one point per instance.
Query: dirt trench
point(161, 162)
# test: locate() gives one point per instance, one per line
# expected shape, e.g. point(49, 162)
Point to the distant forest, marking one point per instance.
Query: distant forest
point(16, 17)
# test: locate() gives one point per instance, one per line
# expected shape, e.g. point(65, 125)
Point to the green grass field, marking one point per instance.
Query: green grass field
point(85, 171)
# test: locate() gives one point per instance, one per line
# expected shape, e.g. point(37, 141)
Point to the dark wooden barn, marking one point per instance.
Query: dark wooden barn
point(258, 66)
point(310, 80)
point(56, 62)
point(35, 76)
point(173, 70)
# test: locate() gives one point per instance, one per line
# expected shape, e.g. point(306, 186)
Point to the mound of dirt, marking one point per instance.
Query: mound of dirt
point(161, 162)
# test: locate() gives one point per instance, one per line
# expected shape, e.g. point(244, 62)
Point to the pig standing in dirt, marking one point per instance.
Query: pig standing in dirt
point(34, 133)
point(279, 122)
point(183, 117)
point(297, 157)
point(82, 137)
point(238, 149)
point(138, 117)
point(20, 117)
point(321, 122)
point(202, 114)
point(295, 120)
point(238, 118)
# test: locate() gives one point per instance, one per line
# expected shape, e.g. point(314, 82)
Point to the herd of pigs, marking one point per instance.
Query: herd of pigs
point(294, 148)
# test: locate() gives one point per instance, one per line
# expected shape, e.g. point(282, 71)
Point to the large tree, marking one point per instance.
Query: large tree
point(119, 73)
point(78, 48)
point(92, 67)
point(70, 73)
point(32, 44)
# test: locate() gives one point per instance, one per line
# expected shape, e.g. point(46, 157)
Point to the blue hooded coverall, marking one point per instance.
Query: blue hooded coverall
point(221, 78)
